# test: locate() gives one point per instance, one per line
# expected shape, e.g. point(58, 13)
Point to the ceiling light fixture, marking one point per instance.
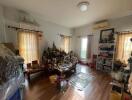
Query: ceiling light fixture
point(83, 6)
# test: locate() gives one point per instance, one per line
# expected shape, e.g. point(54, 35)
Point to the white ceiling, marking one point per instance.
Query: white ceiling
point(66, 13)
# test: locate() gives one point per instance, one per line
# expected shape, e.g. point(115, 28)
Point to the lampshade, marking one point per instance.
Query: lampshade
point(83, 6)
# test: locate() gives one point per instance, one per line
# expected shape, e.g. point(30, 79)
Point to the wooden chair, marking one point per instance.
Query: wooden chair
point(33, 68)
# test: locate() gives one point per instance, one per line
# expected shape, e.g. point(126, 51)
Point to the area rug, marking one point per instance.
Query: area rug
point(80, 81)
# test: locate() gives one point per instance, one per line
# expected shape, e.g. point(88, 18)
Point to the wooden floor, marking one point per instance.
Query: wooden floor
point(98, 89)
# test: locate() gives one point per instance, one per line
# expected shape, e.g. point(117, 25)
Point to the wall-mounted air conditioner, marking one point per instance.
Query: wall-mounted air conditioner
point(101, 25)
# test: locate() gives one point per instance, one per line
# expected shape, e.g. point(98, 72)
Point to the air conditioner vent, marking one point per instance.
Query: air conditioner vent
point(101, 25)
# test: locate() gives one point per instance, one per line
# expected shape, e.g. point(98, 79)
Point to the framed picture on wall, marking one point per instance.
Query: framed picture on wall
point(107, 36)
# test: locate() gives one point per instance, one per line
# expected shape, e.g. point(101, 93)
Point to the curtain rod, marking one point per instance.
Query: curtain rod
point(63, 35)
point(17, 28)
point(123, 32)
point(85, 35)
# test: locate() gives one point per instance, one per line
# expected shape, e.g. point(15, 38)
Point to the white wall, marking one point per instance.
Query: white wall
point(51, 33)
point(2, 26)
point(50, 30)
point(120, 24)
point(84, 31)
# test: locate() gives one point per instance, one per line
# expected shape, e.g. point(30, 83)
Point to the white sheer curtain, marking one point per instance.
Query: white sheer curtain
point(84, 47)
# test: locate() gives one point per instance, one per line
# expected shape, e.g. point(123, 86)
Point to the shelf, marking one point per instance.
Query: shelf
point(104, 64)
point(107, 50)
point(105, 57)
point(104, 68)
point(107, 43)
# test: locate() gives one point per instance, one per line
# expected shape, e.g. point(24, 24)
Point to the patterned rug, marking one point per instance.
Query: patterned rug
point(80, 80)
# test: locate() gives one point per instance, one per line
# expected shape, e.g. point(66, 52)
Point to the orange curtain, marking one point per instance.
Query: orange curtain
point(124, 46)
point(65, 43)
point(28, 46)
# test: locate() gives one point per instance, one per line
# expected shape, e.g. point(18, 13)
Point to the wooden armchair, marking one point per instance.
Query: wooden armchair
point(33, 68)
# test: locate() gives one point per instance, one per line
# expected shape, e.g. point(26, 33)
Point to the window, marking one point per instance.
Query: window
point(84, 42)
point(124, 46)
point(28, 46)
point(65, 43)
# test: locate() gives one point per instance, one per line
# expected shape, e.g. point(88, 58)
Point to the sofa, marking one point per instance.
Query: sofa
point(57, 61)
